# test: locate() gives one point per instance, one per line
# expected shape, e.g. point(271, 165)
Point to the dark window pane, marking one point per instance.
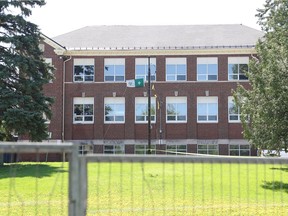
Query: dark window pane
point(78, 70)
point(181, 77)
point(109, 78)
point(88, 118)
point(242, 77)
point(202, 118)
point(212, 77)
point(89, 78)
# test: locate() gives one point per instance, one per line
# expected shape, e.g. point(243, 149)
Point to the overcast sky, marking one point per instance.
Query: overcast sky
point(61, 16)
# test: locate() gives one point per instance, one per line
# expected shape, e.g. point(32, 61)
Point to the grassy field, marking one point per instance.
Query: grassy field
point(148, 189)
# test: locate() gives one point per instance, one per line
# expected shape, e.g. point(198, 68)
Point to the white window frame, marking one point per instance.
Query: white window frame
point(237, 61)
point(85, 148)
point(207, 62)
point(49, 61)
point(231, 104)
point(115, 149)
point(144, 148)
point(208, 149)
point(114, 62)
point(143, 62)
point(208, 101)
point(172, 149)
point(176, 62)
point(83, 62)
point(143, 101)
point(239, 149)
point(83, 101)
point(176, 101)
point(114, 101)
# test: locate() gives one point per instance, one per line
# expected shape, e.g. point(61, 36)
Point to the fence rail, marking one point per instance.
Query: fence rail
point(184, 185)
point(100, 184)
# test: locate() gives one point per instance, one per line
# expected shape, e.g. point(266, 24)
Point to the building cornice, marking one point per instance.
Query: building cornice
point(160, 52)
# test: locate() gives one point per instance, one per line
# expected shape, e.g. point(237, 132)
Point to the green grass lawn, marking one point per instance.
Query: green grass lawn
point(148, 189)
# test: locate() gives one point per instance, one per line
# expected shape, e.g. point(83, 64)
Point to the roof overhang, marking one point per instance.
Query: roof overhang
point(58, 49)
point(158, 52)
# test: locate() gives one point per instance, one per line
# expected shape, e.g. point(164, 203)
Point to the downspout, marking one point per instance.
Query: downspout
point(63, 98)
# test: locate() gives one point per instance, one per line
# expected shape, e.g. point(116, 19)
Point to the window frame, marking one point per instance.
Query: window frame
point(237, 61)
point(143, 101)
point(143, 151)
point(114, 101)
point(49, 61)
point(114, 63)
point(85, 148)
point(239, 149)
point(79, 62)
point(83, 101)
point(144, 63)
point(176, 101)
point(177, 63)
point(207, 101)
point(178, 150)
point(207, 62)
point(116, 149)
point(208, 150)
point(231, 102)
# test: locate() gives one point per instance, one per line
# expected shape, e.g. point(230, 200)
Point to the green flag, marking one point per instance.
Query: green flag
point(136, 83)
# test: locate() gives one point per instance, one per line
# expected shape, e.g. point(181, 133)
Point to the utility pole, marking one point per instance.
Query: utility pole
point(149, 107)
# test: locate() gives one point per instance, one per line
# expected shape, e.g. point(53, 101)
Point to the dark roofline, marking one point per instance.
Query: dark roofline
point(53, 41)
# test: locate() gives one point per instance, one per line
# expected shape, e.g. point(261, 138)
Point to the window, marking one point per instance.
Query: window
point(85, 148)
point(176, 149)
point(207, 69)
point(114, 70)
point(176, 109)
point(142, 149)
point(207, 149)
point(207, 109)
point(114, 110)
point(141, 68)
point(141, 109)
point(83, 110)
point(113, 149)
point(45, 117)
point(237, 66)
point(233, 111)
point(49, 61)
point(83, 70)
point(239, 150)
point(175, 69)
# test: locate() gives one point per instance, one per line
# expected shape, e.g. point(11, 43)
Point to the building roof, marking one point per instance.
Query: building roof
point(160, 37)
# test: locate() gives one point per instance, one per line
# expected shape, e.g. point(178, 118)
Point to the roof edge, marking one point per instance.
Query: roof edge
point(58, 48)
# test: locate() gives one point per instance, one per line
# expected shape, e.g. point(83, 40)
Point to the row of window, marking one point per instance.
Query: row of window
point(176, 110)
point(176, 69)
point(234, 150)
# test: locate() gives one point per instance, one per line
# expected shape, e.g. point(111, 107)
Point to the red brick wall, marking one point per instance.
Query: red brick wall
point(54, 90)
point(99, 90)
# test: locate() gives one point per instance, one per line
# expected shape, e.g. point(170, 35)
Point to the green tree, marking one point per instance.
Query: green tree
point(266, 102)
point(23, 72)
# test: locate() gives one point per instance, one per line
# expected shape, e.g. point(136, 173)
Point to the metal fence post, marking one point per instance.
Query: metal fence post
point(83, 184)
point(74, 198)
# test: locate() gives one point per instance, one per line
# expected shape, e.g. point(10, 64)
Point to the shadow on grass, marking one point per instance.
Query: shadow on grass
point(28, 170)
point(284, 169)
point(275, 186)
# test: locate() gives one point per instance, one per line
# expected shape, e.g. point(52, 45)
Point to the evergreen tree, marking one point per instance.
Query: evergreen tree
point(266, 103)
point(23, 72)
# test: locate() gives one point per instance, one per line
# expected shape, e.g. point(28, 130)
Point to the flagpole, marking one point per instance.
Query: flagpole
point(149, 107)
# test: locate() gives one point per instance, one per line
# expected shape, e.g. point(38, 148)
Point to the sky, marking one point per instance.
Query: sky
point(62, 16)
